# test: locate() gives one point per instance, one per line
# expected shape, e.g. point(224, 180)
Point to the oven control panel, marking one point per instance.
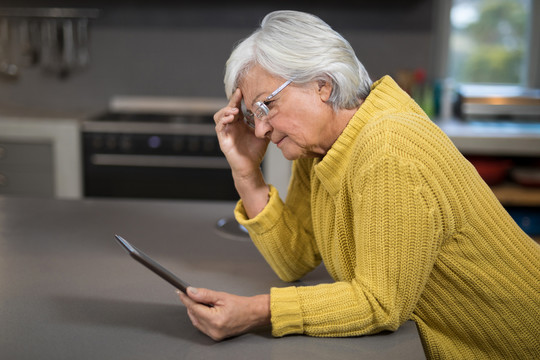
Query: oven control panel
point(152, 144)
point(154, 156)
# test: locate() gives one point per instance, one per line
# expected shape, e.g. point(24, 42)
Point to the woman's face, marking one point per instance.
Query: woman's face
point(300, 122)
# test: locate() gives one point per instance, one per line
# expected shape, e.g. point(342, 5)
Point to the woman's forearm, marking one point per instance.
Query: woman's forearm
point(253, 191)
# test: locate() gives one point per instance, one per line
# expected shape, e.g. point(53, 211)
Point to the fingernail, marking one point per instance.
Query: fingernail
point(177, 291)
point(193, 290)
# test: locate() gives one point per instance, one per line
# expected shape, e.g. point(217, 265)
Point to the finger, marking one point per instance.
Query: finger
point(232, 107)
point(203, 296)
point(226, 116)
point(229, 115)
point(194, 319)
point(188, 303)
point(197, 313)
point(226, 111)
point(236, 98)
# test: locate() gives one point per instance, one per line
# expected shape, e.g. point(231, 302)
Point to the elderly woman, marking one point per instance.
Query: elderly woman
point(403, 223)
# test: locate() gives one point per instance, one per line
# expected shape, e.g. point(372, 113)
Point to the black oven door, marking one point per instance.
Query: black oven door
point(158, 175)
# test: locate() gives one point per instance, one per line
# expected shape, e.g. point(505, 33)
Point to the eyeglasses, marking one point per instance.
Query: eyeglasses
point(261, 107)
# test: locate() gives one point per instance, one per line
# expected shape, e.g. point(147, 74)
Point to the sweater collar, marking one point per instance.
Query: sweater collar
point(385, 95)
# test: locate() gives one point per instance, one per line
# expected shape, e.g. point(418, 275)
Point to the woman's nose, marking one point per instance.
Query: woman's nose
point(262, 129)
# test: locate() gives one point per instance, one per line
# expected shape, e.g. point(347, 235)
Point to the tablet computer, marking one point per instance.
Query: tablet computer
point(152, 265)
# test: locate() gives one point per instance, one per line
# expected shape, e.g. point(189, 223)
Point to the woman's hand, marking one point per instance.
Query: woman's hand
point(221, 315)
point(244, 152)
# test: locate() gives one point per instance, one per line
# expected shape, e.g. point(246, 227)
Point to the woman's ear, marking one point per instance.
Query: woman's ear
point(325, 89)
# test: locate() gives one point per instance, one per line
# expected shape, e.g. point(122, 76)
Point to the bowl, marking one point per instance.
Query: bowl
point(493, 170)
point(526, 176)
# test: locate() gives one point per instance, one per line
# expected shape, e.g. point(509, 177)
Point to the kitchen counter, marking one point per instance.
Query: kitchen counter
point(498, 138)
point(68, 291)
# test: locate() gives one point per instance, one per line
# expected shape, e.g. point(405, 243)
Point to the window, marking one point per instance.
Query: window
point(489, 42)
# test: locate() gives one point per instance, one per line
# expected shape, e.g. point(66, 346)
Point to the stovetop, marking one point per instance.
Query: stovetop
point(118, 117)
point(134, 114)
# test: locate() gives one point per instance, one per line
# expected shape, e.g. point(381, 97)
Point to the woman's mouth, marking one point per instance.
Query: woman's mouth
point(279, 142)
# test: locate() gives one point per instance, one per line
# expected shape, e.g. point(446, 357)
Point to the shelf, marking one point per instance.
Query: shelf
point(32, 12)
point(516, 195)
point(493, 138)
point(513, 195)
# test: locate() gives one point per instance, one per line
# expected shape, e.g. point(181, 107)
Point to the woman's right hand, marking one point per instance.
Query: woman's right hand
point(244, 152)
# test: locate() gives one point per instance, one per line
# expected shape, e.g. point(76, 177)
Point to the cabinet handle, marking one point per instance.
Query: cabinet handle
point(198, 162)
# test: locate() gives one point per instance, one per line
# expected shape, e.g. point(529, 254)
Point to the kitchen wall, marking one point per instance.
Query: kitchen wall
point(170, 49)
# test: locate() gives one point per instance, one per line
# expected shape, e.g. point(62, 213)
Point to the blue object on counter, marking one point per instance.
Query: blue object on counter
point(528, 218)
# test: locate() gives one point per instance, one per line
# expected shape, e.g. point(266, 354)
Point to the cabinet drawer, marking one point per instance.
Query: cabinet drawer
point(22, 154)
point(26, 168)
point(31, 183)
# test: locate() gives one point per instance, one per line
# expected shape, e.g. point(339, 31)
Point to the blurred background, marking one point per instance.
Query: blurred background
point(176, 48)
point(115, 98)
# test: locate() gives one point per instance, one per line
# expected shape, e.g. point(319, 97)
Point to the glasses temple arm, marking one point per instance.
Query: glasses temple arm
point(279, 89)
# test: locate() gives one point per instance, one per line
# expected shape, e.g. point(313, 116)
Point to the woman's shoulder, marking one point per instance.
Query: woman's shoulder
point(399, 132)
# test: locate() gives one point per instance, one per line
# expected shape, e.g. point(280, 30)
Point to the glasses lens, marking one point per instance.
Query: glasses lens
point(261, 110)
point(249, 119)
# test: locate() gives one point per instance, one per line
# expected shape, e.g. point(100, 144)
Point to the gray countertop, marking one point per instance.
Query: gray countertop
point(68, 291)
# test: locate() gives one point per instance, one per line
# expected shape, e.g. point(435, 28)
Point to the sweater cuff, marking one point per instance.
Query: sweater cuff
point(285, 311)
point(267, 218)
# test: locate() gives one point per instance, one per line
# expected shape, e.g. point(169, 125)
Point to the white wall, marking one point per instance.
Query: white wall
point(182, 52)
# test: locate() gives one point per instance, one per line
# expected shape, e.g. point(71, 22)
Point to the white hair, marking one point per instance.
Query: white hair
point(300, 46)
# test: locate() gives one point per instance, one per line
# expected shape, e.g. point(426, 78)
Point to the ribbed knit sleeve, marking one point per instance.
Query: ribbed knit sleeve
point(283, 232)
point(396, 227)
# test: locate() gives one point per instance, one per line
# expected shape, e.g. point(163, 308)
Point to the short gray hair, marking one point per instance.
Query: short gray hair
point(292, 44)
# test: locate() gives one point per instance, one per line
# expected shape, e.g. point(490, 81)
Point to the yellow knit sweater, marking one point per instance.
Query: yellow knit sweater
point(408, 230)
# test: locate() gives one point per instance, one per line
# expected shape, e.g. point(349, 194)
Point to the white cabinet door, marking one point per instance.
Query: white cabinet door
point(42, 156)
point(26, 168)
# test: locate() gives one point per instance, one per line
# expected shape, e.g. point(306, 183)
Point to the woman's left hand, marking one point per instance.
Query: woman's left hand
point(221, 315)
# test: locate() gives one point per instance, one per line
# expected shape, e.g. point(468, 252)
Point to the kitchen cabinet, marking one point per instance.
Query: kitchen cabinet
point(510, 194)
point(26, 168)
point(40, 156)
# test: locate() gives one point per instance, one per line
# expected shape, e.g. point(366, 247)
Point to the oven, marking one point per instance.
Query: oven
point(155, 148)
